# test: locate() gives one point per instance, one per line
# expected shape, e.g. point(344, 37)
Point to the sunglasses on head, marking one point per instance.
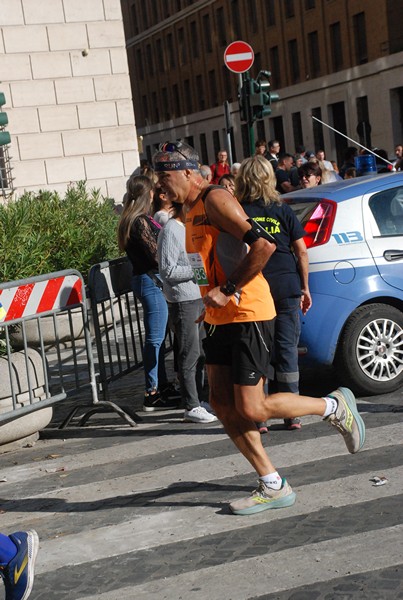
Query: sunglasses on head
point(172, 147)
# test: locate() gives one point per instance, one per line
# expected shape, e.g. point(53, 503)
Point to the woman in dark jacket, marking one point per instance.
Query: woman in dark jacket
point(286, 271)
point(137, 236)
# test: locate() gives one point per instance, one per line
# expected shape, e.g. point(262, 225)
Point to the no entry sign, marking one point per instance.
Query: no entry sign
point(239, 57)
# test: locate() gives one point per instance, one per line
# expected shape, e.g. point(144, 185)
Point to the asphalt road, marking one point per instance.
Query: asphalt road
point(142, 513)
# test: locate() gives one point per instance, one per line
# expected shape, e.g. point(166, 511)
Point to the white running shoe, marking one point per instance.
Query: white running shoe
point(207, 407)
point(198, 415)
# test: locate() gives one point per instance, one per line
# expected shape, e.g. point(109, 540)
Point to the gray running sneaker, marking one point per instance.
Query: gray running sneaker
point(347, 420)
point(264, 498)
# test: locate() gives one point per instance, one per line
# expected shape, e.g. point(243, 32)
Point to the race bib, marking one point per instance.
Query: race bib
point(199, 271)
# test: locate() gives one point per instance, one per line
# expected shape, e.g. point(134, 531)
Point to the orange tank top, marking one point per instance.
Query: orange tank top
point(214, 255)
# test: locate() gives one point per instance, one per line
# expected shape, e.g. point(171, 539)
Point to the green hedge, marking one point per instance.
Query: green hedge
point(42, 232)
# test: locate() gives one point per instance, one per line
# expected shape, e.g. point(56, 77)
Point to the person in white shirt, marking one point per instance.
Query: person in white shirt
point(184, 308)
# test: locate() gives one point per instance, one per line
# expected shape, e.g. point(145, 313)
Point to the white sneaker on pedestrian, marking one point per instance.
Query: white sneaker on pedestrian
point(207, 407)
point(198, 415)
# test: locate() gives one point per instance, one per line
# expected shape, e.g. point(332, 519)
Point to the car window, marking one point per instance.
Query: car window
point(387, 209)
point(303, 210)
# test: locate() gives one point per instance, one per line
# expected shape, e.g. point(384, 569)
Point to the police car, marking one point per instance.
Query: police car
point(354, 235)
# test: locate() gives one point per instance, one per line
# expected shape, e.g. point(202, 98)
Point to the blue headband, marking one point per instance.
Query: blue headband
point(177, 165)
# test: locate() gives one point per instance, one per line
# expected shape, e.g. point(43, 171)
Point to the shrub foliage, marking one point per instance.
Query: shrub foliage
point(42, 232)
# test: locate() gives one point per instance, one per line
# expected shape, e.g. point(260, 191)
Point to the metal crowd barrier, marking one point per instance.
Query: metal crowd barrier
point(47, 319)
point(117, 327)
point(45, 334)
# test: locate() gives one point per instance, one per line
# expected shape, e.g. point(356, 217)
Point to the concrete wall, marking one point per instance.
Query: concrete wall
point(64, 72)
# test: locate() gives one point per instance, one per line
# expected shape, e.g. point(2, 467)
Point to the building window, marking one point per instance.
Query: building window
point(270, 12)
point(178, 5)
point(289, 9)
point(190, 140)
point(261, 133)
point(171, 50)
point(194, 39)
point(155, 106)
point(150, 62)
point(213, 88)
point(221, 27)
point(182, 46)
point(336, 46)
point(245, 139)
point(257, 64)
point(207, 33)
point(165, 103)
point(314, 54)
point(160, 55)
point(363, 121)
point(252, 9)
point(297, 129)
point(227, 79)
point(275, 67)
point(278, 131)
point(200, 92)
point(177, 102)
point(135, 22)
point(236, 19)
point(139, 64)
point(216, 143)
point(203, 149)
point(309, 4)
point(294, 60)
point(360, 38)
point(145, 15)
point(144, 101)
point(188, 96)
point(149, 154)
point(317, 127)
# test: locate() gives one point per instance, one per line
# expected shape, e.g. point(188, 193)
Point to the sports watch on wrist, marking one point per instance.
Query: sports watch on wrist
point(229, 288)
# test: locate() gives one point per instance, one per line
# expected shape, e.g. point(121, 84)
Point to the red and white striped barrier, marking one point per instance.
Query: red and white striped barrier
point(40, 296)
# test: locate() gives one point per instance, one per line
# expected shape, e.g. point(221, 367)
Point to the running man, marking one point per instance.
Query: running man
point(228, 251)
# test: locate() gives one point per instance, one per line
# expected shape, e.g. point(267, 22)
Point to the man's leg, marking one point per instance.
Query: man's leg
point(239, 428)
point(338, 408)
point(252, 403)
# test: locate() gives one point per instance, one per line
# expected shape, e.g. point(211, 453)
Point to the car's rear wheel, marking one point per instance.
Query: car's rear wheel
point(370, 352)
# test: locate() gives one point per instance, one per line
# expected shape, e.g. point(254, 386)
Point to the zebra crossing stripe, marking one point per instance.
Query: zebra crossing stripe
point(287, 569)
point(284, 455)
point(199, 521)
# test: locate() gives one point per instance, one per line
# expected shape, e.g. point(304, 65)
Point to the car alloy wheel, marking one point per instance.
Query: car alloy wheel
point(370, 352)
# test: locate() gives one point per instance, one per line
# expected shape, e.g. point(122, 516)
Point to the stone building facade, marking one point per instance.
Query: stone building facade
point(338, 60)
point(64, 73)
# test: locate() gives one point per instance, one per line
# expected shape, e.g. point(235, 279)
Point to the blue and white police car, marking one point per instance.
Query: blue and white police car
point(354, 235)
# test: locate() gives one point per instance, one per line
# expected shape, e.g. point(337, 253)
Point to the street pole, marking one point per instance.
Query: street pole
point(228, 126)
point(251, 134)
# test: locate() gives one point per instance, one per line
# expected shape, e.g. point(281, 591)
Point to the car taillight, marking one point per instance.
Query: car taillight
point(318, 228)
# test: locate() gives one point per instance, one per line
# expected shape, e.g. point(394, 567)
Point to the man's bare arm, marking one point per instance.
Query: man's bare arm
point(226, 214)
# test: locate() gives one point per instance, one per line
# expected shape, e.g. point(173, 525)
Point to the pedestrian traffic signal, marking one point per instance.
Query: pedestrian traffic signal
point(262, 97)
point(255, 97)
point(4, 135)
point(243, 102)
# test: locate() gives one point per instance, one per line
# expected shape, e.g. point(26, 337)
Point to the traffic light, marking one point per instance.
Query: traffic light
point(4, 135)
point(243, 101)
point(262, 97)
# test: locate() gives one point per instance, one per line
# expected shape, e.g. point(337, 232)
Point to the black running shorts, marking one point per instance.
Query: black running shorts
point(245, 347)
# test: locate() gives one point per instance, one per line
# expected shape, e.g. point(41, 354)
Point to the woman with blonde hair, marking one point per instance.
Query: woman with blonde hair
point(286, 271)
point(137, 236)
